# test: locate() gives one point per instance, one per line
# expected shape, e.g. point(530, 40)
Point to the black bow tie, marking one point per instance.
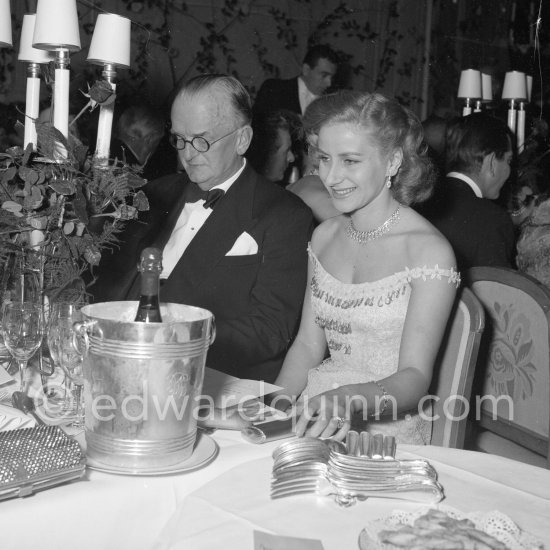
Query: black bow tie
point(194, 193)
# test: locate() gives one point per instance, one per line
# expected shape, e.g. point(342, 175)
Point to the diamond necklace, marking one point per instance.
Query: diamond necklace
point(363, 237)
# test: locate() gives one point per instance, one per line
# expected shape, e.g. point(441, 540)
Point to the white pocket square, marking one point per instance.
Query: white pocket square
point(245, 245)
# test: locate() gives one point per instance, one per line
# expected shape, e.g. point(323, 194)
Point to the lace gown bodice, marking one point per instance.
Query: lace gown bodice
point(363, 324)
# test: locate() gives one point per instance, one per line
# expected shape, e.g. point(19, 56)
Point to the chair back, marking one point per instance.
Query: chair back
point(513, 374)
point(454, 371)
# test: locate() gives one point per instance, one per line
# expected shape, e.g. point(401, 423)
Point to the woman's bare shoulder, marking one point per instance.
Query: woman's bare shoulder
point(326, 231)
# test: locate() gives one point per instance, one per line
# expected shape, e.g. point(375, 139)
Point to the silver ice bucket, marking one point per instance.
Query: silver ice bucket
point(142, 383)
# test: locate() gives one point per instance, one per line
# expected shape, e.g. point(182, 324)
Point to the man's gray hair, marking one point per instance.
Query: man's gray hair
point(236, 93)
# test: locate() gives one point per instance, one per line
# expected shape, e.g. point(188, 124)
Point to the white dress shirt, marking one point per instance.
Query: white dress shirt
point(191, 219)
point(469, 181)
point(305, 96)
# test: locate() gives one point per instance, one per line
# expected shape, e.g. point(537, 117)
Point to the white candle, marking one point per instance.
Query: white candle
point(512, 117)
point(32, 104)
point(105, 123)
point(61, 97)
point(521, 128)
point(104, 129)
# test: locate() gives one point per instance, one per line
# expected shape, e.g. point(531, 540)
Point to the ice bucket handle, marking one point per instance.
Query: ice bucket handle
point(212, 331)
point(81, 342)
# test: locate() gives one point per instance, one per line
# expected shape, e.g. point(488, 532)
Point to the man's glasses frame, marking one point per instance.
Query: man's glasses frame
point(200, 144)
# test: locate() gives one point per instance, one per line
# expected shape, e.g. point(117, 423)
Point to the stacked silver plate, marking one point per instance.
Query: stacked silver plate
point(363, 467)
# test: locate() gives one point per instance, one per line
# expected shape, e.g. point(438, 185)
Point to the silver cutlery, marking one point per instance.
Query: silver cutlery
point(25, 403)
point(364, 467)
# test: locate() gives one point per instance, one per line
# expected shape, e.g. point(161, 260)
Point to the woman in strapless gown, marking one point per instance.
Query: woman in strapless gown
point(382, 280)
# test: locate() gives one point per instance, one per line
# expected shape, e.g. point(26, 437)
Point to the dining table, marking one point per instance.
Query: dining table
point(223, 501)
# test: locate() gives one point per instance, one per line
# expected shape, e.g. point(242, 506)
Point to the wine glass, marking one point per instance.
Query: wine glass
point(18, 283)
point(64, 354)
point(22, 329)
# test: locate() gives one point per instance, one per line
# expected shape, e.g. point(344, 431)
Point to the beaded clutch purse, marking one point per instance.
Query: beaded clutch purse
point(32, 459)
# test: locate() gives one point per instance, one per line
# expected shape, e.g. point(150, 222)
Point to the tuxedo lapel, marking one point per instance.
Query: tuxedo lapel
point(231, 216)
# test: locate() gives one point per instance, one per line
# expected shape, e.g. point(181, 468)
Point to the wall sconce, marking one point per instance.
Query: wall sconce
point(469, 89)
point(515, 90)
point(486, 91)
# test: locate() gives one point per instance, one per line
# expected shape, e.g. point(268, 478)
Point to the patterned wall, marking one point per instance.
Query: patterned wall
point(383, 41)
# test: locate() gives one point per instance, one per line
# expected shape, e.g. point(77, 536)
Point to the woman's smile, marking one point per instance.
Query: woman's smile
point(342, 193)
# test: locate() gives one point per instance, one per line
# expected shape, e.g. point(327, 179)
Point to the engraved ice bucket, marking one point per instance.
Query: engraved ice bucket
point(142, 383)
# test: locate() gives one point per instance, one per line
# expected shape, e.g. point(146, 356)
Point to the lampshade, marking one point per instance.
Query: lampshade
point(26, 51)
point(111, 41)
point(470, 84)
point(56, 26)
point(5, 24)
point(529, 82)
point(486, 87)
point(515, 86)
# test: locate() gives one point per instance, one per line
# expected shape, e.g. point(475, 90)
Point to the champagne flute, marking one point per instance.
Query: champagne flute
point(18, 283)
point(22, 329)
point(62, 350)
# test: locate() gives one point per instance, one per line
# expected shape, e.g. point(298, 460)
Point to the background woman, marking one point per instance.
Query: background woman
point(382, 279)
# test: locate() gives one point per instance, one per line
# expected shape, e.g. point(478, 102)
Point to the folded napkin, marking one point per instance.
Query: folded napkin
point(11, 419)
point(5, 378)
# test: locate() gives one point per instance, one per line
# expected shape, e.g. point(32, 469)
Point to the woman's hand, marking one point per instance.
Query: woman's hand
point(325, 415)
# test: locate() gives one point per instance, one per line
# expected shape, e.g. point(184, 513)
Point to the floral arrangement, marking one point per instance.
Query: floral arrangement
point(60, 207)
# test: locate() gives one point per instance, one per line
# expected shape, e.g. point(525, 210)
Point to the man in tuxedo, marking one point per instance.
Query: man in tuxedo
point(233, 242)
point(295, 94)
point(478, 157)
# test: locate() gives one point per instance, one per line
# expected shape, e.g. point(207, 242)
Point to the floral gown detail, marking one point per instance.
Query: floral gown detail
point(363, 324)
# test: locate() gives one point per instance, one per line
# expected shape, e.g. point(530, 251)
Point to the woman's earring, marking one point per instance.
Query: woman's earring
point(388, 181)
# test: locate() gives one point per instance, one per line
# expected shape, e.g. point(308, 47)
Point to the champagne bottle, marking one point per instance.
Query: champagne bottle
point(150, 267)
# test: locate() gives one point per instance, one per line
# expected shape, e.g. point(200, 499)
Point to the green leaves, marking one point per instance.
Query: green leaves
point(51, 142)
point(9, 174)
point(141, 203)
point(78, 206)
point(62, 186)
point(28, 175)
point(14, 207)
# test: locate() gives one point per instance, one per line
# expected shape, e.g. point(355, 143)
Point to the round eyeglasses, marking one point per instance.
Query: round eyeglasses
point(198, 143)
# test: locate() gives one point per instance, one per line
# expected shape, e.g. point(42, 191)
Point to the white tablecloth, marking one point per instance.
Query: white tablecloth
point(220, 505)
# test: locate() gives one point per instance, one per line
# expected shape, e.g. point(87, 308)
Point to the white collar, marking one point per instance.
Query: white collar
point(305, 96)
point(466, 179)
point(230, 181)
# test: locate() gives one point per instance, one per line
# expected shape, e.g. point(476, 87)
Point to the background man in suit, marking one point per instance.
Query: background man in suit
point(239, 250)
point(478, 157)
point(295, 94)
